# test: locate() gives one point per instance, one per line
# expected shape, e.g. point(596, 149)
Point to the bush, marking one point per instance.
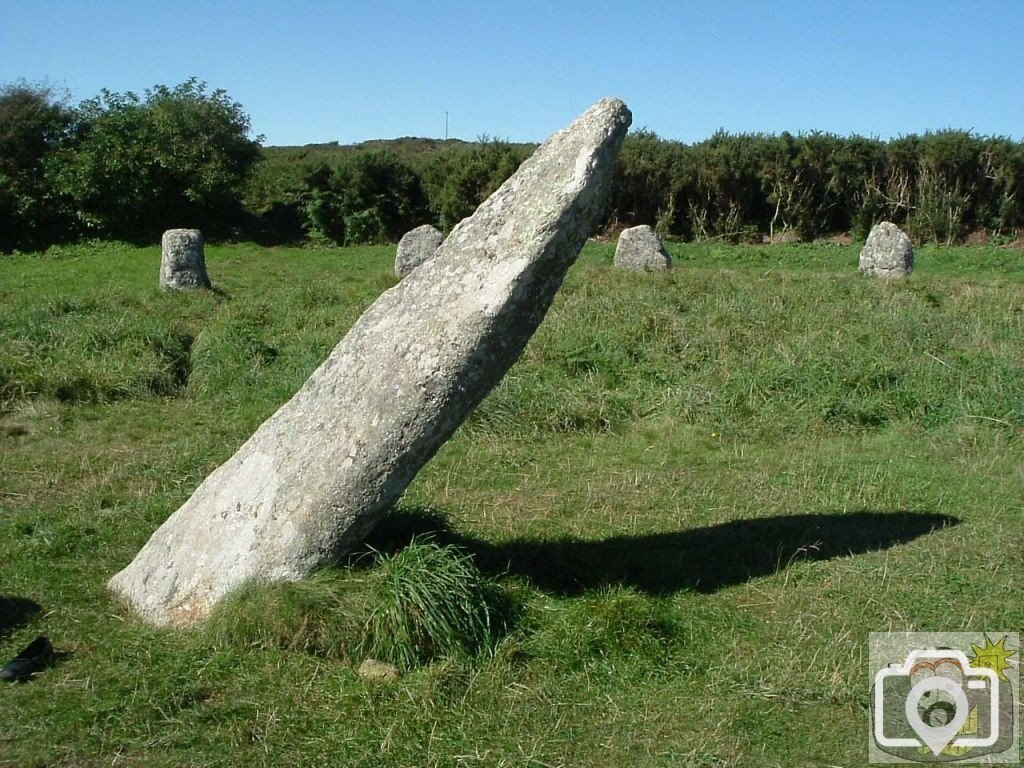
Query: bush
point(373, 198)
point(121, 166)
point(736, 187)
point(177, 158)
point(33, 123)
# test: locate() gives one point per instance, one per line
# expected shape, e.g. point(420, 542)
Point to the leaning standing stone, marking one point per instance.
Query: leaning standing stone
point(416, 246)
point(888, 252)
point(183, 266)
point(314, 479)
point(640, 249)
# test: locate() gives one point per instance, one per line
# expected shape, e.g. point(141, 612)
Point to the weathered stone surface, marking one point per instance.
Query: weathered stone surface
point(183, 266)
point(372, 669)
point(888, 252)
point(416, 246)
point(640, 249)
point(314, 479)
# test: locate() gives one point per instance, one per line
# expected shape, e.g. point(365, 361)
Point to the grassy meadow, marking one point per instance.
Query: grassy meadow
point(690, 501)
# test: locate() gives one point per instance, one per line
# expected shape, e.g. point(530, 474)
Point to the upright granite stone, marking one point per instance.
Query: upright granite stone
point(314, 479)
point(641, 250)
point(888, 252)
point(183, 266)
point(417, 246)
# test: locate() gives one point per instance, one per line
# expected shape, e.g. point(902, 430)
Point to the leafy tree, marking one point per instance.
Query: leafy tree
point(179, 157)
point(33, 123)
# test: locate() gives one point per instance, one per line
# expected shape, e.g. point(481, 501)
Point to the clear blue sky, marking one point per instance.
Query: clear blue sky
point(349, 71)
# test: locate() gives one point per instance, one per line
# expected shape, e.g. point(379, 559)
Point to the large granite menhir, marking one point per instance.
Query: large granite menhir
point(316, 477)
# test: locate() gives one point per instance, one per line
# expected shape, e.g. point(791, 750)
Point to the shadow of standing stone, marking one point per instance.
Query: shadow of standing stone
point(183, 264)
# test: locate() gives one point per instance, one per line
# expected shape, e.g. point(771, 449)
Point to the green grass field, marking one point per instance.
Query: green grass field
point(697, 493)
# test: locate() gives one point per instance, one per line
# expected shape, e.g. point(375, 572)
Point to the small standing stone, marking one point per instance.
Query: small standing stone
point(183, 266)
point(888, 252)
point(641, 250)
point(416, 246)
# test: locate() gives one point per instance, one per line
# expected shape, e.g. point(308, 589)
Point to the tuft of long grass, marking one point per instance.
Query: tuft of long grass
point(431, 602)
point(322, 615)
point(424, 602)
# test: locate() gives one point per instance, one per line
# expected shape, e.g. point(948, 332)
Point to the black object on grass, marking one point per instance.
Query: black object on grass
point(34, 658)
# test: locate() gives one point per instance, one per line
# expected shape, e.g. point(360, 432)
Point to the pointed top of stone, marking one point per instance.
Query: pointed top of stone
point(562, 169)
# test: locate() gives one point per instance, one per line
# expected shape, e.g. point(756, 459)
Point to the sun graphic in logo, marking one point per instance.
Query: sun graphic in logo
point(992, 656)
